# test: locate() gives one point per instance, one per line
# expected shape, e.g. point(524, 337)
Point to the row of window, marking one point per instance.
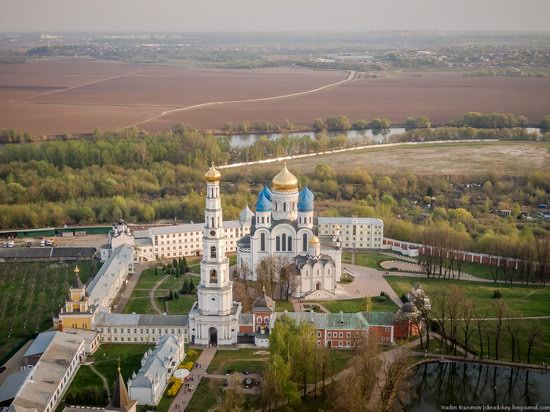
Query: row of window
point(63, 382)
point(340, 343)
point(173, 331)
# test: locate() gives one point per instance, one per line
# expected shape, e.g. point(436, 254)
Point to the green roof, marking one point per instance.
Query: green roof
point(379, 318)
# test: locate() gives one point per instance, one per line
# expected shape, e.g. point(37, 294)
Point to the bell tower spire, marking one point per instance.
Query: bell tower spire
point(215, 290)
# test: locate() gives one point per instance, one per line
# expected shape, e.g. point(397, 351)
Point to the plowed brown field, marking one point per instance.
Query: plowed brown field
point(78, 95)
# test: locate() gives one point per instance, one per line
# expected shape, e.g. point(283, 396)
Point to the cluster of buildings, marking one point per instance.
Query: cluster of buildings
point(283, 228)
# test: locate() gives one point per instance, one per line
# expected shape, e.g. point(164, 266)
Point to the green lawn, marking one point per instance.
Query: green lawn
point(180, 306)
point(522, 300)
point(105, 360)
point(526, 300)
point(139, 305)
point(282, 305)
point(368, 259)
point(358, 305)
point(207, 395)
point(31, 294)
point(139, 300)
point(239, 360)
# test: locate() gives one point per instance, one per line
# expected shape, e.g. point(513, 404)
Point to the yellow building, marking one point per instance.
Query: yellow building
point(76, 313)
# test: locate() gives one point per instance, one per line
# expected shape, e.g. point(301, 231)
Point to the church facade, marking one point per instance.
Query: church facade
point(283, 228)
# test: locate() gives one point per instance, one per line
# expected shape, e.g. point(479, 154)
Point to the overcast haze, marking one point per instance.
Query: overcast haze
point(271, 15)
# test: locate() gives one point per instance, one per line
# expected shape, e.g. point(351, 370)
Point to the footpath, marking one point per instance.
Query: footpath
point(184, 396)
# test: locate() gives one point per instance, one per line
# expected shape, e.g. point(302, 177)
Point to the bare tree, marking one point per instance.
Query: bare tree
point(393, 372)
point(466, 323)
point(500, 310)
point(513, 329)
point(533, 335)
point(479, 321)
point(359, 381)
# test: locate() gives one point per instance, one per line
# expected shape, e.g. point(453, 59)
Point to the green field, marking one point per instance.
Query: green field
point(31, 294)
point(368, 259)
point(207, 395)
point(139, 300)
point(521, 300)
point(525, 300)
point(105, 360)
point(358, 305)
point(239, 360)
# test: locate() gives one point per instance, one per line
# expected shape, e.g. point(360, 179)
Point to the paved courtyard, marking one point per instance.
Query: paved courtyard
point(367, 282)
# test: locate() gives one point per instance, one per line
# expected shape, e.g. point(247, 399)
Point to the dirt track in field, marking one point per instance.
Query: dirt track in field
point(78, 95)
point(501, 158)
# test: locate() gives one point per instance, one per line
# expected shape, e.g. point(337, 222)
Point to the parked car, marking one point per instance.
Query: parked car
point(11, 243)
point(42, 243)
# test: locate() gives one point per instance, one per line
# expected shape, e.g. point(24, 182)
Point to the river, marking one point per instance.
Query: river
point(433, 385)
point(354, 136)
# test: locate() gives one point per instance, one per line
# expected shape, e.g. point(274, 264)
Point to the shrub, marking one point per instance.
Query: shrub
point(497, 294)
point(174, 389)
point(379, 299)
point(404, 298)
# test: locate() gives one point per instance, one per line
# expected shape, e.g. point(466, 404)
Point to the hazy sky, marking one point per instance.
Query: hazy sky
point(272, 15)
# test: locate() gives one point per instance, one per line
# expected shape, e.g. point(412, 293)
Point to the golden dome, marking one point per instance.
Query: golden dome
point(212, 175)
point(76, 269)
point(285, 181)
point(314, 240)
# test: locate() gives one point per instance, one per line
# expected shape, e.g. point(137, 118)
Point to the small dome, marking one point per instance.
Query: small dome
point(314, 240)
point(266, 192)
point(263, 204)
point(246, 214)
point(285, 181)
point(263, 301)
point(305, 200)
point(212, 175)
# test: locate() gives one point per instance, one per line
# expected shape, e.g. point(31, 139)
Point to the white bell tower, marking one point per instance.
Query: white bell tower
point(214, 319)
point(215, 291)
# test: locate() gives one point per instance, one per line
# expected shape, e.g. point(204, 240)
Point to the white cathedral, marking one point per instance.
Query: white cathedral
point(283, 227)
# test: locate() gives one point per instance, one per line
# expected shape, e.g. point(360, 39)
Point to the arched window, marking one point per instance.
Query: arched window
point(290, 244)
point(213, 276)
point(213, 251)
point(304, 242)
point(284, 206)
point(278, 243)
point(283, 248)
point(211, 222)
point(262, 242)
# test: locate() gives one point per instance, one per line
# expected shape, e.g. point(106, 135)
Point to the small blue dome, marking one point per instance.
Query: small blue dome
point(263, 204)
point(305, 200)
point(266, 192)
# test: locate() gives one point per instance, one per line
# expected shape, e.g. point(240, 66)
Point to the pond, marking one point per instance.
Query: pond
point(446, 386)
point(354, 136)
